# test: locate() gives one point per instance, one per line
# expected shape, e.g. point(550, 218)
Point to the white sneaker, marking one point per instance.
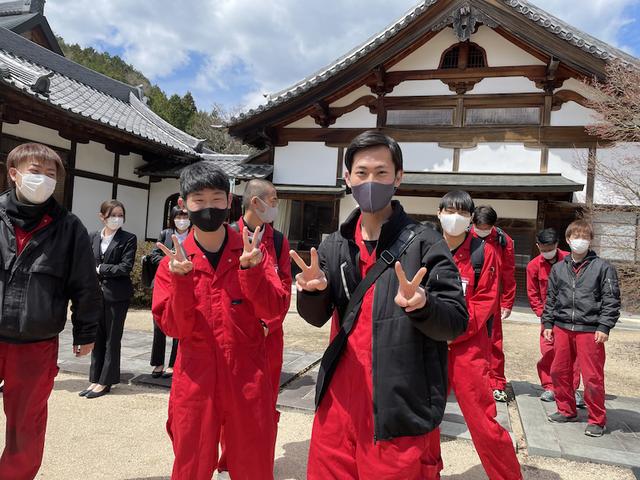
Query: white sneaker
point(223, 476)
point(500, 396)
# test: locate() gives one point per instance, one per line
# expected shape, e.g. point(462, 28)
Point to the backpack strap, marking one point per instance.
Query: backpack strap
point(502, 237)
point(235, 226)
point(278, 241)
point(477, 257)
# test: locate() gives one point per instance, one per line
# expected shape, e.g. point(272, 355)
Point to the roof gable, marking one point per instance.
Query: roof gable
point(527, 23)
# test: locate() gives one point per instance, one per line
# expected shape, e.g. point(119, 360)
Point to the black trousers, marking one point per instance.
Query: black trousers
point(105, 358)
point(159, 346)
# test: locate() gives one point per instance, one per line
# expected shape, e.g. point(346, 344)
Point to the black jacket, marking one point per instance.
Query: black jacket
point(587, 303)
point(54, 268)
point(156, 254)
point(115, 265)
point(409, 349)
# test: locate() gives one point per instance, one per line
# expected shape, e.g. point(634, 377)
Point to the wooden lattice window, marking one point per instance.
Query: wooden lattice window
point(464, 55)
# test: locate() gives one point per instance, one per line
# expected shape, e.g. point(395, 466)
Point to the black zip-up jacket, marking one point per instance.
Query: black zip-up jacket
point(409, 349)
point(55, 267)
point(587, 303)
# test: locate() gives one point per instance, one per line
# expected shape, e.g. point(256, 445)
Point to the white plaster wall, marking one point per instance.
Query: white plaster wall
point(579, 87)
point(500, 158)
point(571, 163)
point(619, 158)
point(94, 157)
point(88, 195)
point(361, 117)
point(427, 57)
point(412, 88)
point(135, 203)
point(158, 194)
point(305, 163)
point(573, 114)
point(34, 132)
point(517, 209)
point(306, 122)
point(505, 85)
point(128, 163)
point(352, 97)
point(500, 51)
point(426, 157)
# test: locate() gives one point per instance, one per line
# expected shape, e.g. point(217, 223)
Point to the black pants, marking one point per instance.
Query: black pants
point(105, 358)
point(159, 346)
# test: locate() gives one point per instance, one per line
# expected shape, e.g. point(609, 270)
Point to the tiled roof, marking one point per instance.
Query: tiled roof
point(556, 26)
point(16, 7)
point(77, 90)
point(233, 168)
point(12, 21)
point(494, 182)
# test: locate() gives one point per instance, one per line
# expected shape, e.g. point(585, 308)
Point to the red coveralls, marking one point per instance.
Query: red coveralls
point(28, 370)
point(220, 377)
point(538, 271)
point(507, 275)
point(468, 369)
point(342, 443)
point(274, 343)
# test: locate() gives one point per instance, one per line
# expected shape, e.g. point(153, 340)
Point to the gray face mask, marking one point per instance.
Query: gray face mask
point(373, 196)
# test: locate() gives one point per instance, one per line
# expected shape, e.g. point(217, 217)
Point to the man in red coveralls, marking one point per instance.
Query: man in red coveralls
point(538, 271)
point(477, 262)
point(219, 295)
point(484, 226)
point(260, 202)
point(381, 388)
point(46, 262)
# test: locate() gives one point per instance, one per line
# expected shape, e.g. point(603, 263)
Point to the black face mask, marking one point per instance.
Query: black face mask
point(208, 219)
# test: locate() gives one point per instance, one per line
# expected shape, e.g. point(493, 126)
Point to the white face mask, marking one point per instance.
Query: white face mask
point(454, 224)
point(36, 188)
point(114, 223)
point(579, 245)
point(182, 224)
point(483, 233)
point(550, 255)
point(270, 213)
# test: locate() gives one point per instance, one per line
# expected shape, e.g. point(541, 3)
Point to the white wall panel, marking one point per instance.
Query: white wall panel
point(158, 194)
point(88, 195)
point(135, 203)
point(426, 157)
point(305, 163)
point(500, 51)
point(306, 122)
point(36, 133)
point(416, 88)
point(505, 85)
point(128, 163)
point(94, 157)
point(571, 163)
point(500, 158)
point(352, 97)
point(427, 57)
point(573, 114)
point(361, 117)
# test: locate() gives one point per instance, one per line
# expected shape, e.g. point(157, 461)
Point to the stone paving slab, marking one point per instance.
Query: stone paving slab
point(619, 446)
point(299, 395)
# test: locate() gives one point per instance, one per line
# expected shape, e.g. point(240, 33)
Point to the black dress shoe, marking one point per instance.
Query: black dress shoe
point(167, 374)
point(156, 374)
point(94, 394)
point(84, 393)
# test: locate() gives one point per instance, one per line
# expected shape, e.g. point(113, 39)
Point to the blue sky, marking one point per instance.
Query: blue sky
point(231, 52)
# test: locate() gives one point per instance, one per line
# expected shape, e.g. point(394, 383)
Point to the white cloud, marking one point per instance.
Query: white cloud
point(257, 46)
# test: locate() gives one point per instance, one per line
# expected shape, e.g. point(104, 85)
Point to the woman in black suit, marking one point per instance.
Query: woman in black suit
point(115, 252)
point(180, 225)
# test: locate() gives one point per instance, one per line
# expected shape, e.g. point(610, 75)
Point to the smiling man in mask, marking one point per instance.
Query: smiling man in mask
point(396, 298)
point(46, 262)
point(218, 293)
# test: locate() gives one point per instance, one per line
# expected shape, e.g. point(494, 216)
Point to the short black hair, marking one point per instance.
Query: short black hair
point(548, 236)
point(257, 187)
point(201, 175)
point(485, 215)
point(458, 199)
point(175, 211)
point(370, 139)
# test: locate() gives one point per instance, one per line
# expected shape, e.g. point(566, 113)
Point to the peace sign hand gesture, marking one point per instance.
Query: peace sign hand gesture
point(178, 263)
point(251, 255)
point(411, 296)
point(311, 278)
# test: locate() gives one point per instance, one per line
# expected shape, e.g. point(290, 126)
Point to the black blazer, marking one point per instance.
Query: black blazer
point(116, 266)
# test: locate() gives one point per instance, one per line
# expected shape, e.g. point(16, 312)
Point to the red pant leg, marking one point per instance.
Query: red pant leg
point(562, 370)
point(274, 345)
point(591, 356)
point(194, 418)
point(249, 424)
point(468, 375)
point(28, 371)
point(545, 362)
point(498, 380)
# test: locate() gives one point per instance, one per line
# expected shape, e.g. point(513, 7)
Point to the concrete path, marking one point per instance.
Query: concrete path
point(619, 446)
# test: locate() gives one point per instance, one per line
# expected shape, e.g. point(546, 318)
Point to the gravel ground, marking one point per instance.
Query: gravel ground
point(122, 437)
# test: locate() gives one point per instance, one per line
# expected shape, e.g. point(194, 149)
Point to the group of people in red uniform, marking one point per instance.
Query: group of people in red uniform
point(415, 314)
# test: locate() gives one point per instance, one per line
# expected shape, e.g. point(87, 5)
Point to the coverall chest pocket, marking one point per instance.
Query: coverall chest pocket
point(45, 303)
point(243, 326)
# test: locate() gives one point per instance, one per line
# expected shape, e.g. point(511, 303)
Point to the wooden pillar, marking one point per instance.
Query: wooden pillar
point(546, 121)
point(591, 176)
point(339, 163)
point(70, 177)
point(456, 160)
point(459, 120)
point(116, 172)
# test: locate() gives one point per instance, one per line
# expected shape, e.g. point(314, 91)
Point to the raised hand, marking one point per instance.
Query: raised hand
point(411, 296)
point(311, 278)
point(178, 263)
point(251, 255)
